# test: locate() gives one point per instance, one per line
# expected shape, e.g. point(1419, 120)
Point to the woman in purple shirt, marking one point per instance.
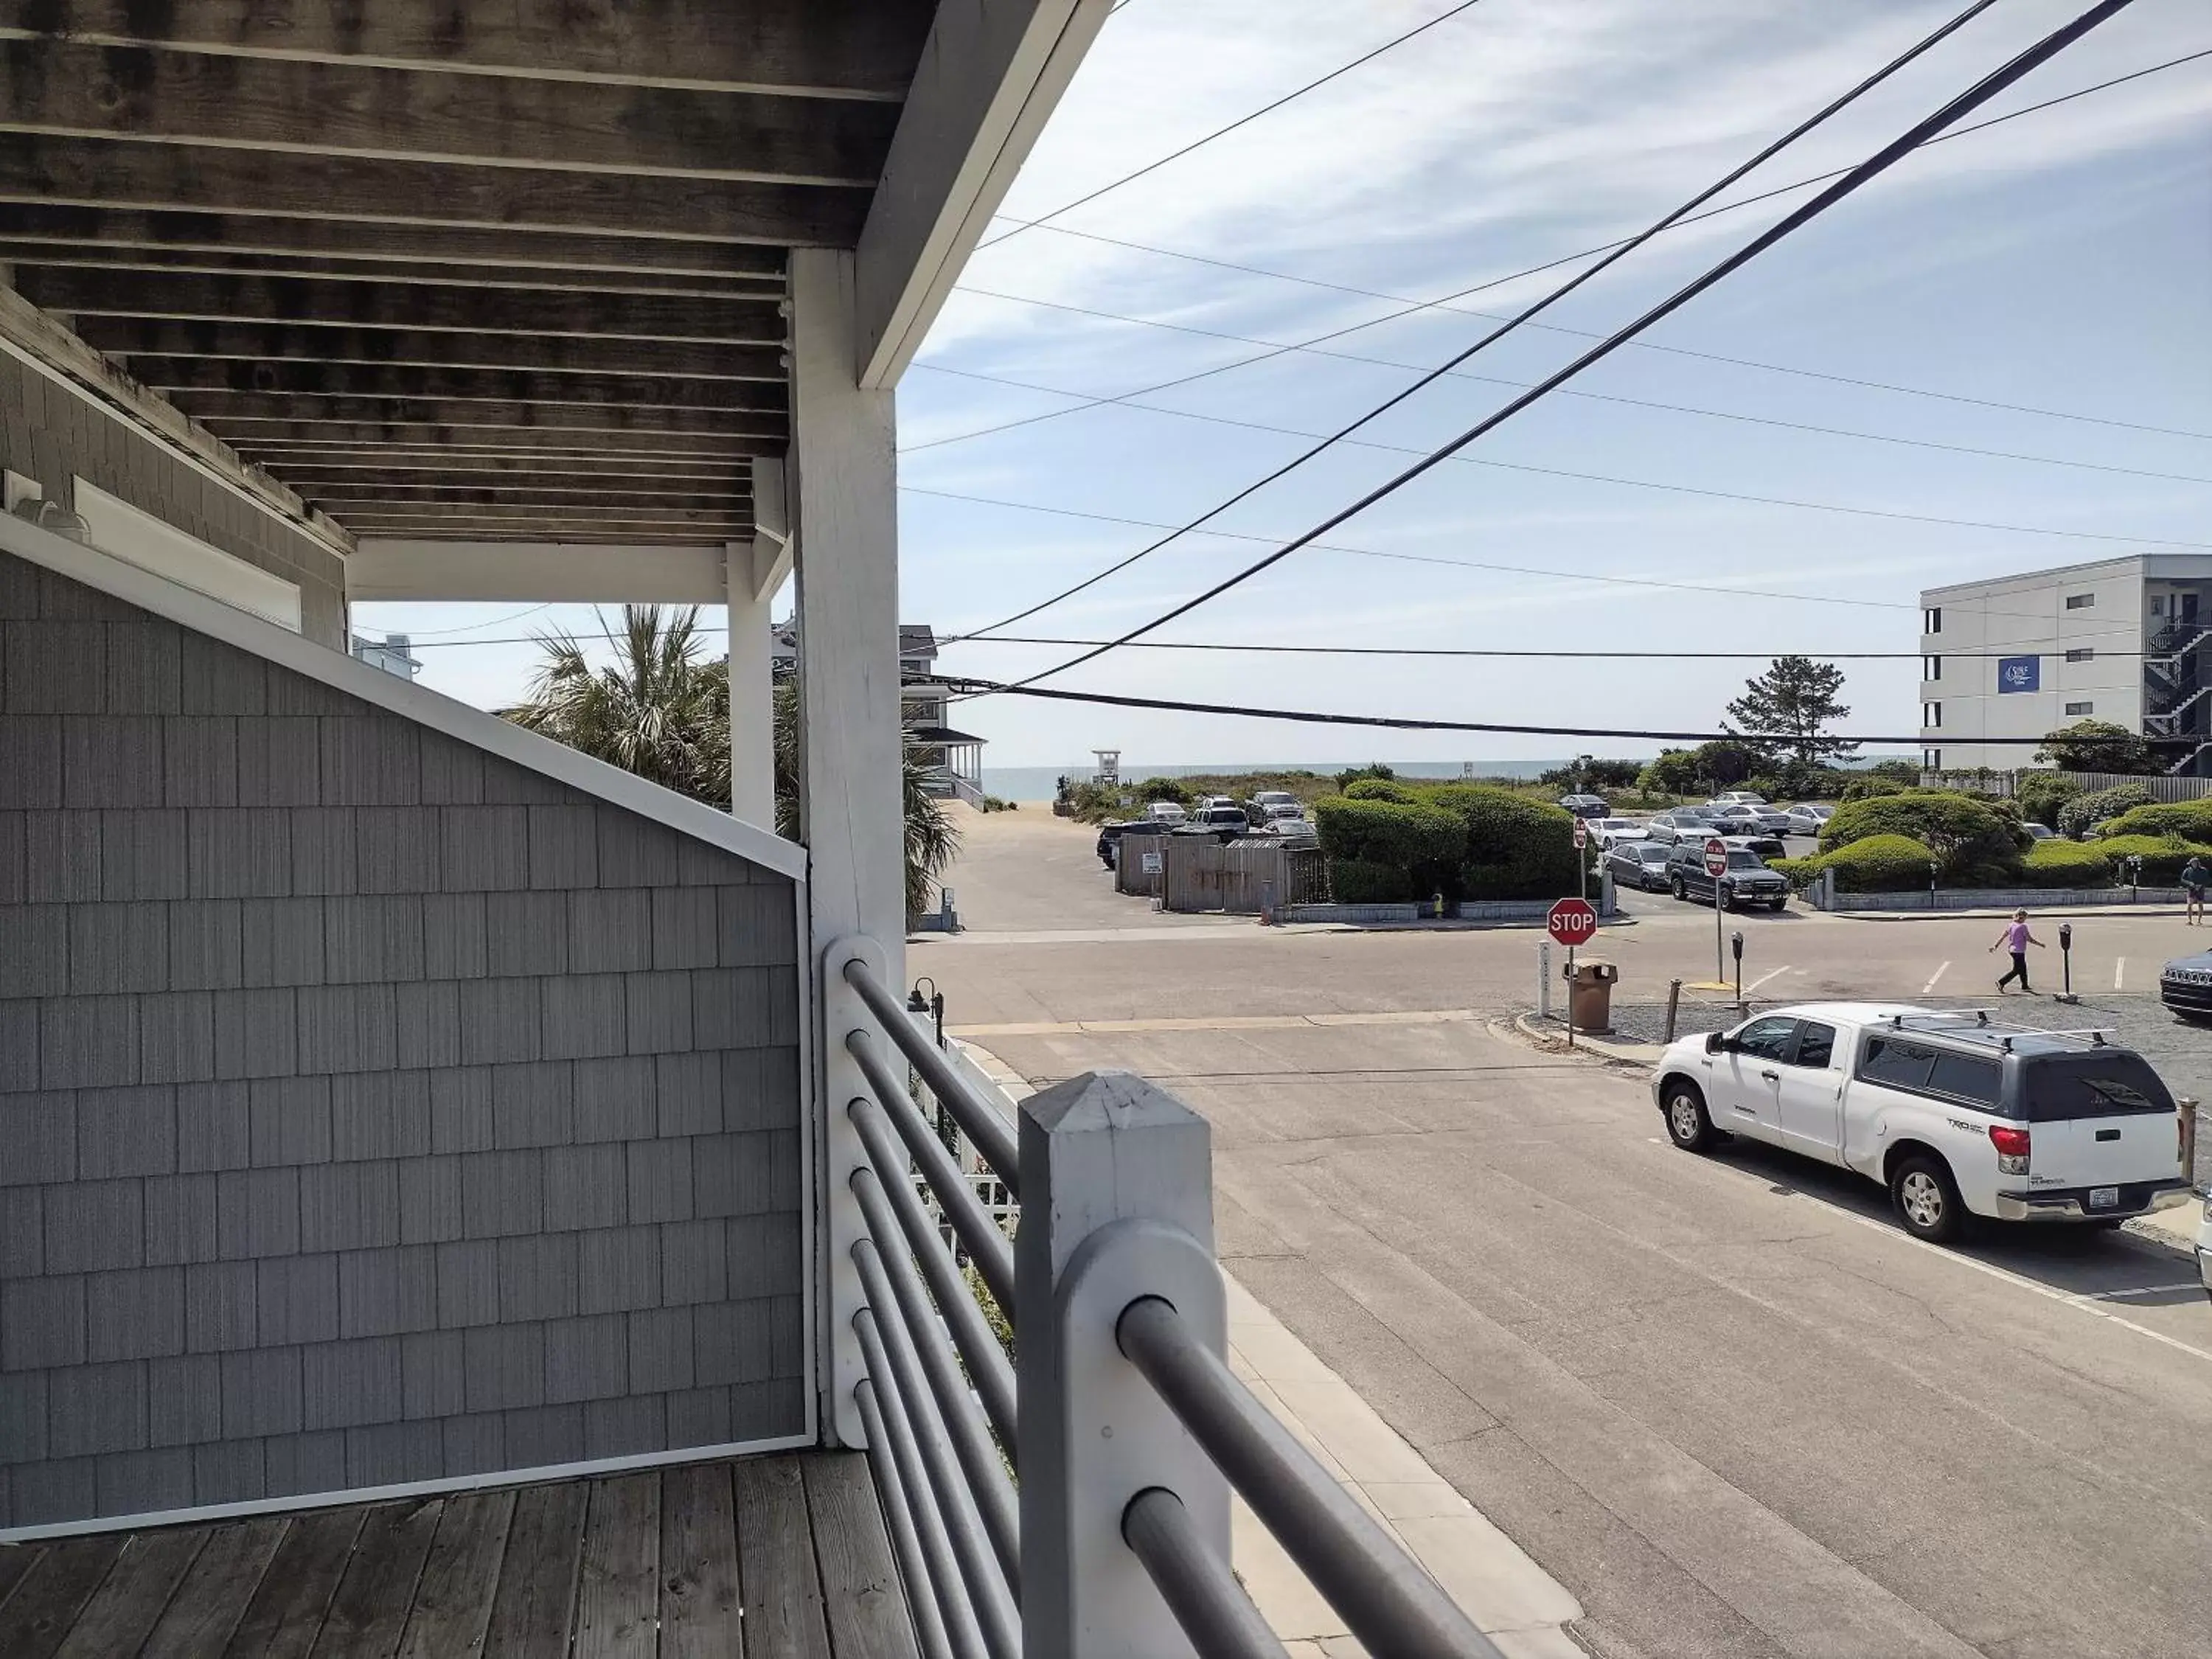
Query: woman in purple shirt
point(2016, 939)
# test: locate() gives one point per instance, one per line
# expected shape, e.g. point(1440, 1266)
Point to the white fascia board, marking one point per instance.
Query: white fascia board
point(458, 721)
point(569, 573)
point(990, 77)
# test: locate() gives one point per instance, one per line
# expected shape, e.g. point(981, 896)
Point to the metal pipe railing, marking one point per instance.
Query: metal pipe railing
point(989, 1369)
point(978, 1452)
point(906, 1545)
point(887, 1338)
point(1198, 1586)
point(979, 1120)
point(963, 1633)
point(986, 1245)
point(1381, 1593)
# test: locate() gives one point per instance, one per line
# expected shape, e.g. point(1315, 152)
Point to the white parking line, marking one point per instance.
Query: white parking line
point(1933, 977)
point(2119, 968)
point(1762, 980)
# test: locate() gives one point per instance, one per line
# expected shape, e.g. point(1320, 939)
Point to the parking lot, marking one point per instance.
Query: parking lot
point(1725, 1400)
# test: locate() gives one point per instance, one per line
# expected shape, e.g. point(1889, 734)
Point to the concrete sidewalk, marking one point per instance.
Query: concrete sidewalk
point(1519, 1605)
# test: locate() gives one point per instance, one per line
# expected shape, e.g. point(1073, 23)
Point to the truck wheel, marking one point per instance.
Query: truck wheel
point(1676, 888)
point(1688, 1125)
point(1927, 1199)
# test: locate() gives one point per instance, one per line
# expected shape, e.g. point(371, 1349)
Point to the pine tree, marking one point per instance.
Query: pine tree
point(1790, 708)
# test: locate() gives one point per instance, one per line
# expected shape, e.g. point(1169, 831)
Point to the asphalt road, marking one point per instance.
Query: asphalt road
point(1725, 1401)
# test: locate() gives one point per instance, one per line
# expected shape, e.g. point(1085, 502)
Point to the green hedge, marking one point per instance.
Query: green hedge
point(1355, 881)
point(2066, 864)
point(2084, 811)
point(2042, 795)
point(2192, 820)
point(1970, 839)
point(2162, 856)
point(1380, 789)
point(1511, 848)
point(1877, 863)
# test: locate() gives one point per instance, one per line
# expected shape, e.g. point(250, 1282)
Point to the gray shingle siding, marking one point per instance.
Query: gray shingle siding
point(376, 1110)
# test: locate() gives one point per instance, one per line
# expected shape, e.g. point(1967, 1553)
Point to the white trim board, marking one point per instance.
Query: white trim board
point(153, 543)
point(473, 727)
point(573, 572)
point(490, 1480)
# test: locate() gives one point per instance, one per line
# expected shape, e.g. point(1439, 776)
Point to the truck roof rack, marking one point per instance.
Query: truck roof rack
point(1977, 1020)
point(1979, 1016)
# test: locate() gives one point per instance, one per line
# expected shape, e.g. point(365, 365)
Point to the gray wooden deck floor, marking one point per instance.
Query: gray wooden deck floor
point(765, 1557)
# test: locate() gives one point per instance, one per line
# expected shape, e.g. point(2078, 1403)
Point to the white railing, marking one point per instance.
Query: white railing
point(1074, 1503)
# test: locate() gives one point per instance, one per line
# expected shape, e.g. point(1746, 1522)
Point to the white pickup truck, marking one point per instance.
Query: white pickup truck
point(1953, 1113)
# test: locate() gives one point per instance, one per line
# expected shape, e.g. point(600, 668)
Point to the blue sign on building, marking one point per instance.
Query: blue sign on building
point(2018, 674)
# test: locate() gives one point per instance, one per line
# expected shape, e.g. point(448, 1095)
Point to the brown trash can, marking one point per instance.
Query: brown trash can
point(1590, 997)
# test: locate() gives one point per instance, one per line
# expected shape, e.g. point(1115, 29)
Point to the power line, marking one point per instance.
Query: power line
point(1506, 327)
point(1459, 651)
point(1675, 488)
point(1128, 400)
point(1410, 306)
point(1871, 168)
point(1396, 723)
point(1220, 132)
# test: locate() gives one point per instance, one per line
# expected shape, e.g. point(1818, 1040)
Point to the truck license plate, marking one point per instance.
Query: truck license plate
point(2104, 1198)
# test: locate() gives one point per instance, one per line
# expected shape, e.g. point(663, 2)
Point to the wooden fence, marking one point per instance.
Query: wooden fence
point(1199, 873)
point(2159, 787)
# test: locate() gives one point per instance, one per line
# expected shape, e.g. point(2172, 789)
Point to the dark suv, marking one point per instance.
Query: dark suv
point(1748, 883)
point(1109, 837)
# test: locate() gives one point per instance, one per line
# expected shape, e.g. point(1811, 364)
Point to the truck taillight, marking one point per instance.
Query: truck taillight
point(2012, 1143)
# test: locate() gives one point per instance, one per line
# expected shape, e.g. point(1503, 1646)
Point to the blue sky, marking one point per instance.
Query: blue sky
point(2063, 262)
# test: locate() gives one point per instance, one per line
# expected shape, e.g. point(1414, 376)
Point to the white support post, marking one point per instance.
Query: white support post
point(844, 518)
point(754, 571)
point(1117, 1203)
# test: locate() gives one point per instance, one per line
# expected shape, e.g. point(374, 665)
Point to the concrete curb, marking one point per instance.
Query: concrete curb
point(1552, 1039)
point(1520, 1606)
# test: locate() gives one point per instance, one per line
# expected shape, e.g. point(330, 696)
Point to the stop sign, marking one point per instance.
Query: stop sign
point(1572, 921)
point(1716, 857)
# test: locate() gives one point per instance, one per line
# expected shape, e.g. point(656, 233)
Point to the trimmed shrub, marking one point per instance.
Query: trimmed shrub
point(1511, 847)
point(1876, 864)
point(2066, 864)
point(2085, 812)
point(1355, 881)
point(2192, 820)
point(1420, 843)
point(2162, 856)
point(1379, 789)
point(2041, 794)
point(1968, 838)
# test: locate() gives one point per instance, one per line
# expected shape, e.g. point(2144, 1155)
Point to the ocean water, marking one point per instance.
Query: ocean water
point(1041, 782)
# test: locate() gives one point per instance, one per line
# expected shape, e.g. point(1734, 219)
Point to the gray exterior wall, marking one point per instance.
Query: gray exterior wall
point(372, 1109)
point(49, 433)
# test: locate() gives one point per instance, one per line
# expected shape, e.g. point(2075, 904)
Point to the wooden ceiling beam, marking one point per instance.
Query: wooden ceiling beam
point(390, 247)
point(67, 89)
point(495, 386)
point(544, 501)
point(100, 172)
point(223, 411)
point(282, 438)
point(470, 524)
point(863, 49)
point(375, 305)
point(376, 466)
point(167, 262)
point(554, 354)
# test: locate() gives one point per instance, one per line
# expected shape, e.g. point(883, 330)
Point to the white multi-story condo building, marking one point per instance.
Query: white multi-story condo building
point(2126, 640)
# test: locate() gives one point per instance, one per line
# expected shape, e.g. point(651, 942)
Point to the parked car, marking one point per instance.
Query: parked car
point(1278, 810)
point(1639, 864)
point(1739, 798)
point(1808, 819)
point(1291, 832)
point(1683, 823)
point(1954, 1115)
point(2184, 986)
point(1609, 833)
point(1585, 806)
point(1109, 837)
point(1748, 817)
point(1224, 823)
point(1272, 799)
point(1766, 846)
point(2040, 831)
point(1165, 812)
point(1747, 881)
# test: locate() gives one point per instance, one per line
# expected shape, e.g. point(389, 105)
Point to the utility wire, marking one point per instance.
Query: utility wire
point(1871, 168)
point(1309, 717)
point(1222, 132)
point(1129, 400)
point(1410, 306)
point(1508, 326)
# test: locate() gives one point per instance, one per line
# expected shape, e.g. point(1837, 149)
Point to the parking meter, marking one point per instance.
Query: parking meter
point(2066, 961)
point(1736, 947)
